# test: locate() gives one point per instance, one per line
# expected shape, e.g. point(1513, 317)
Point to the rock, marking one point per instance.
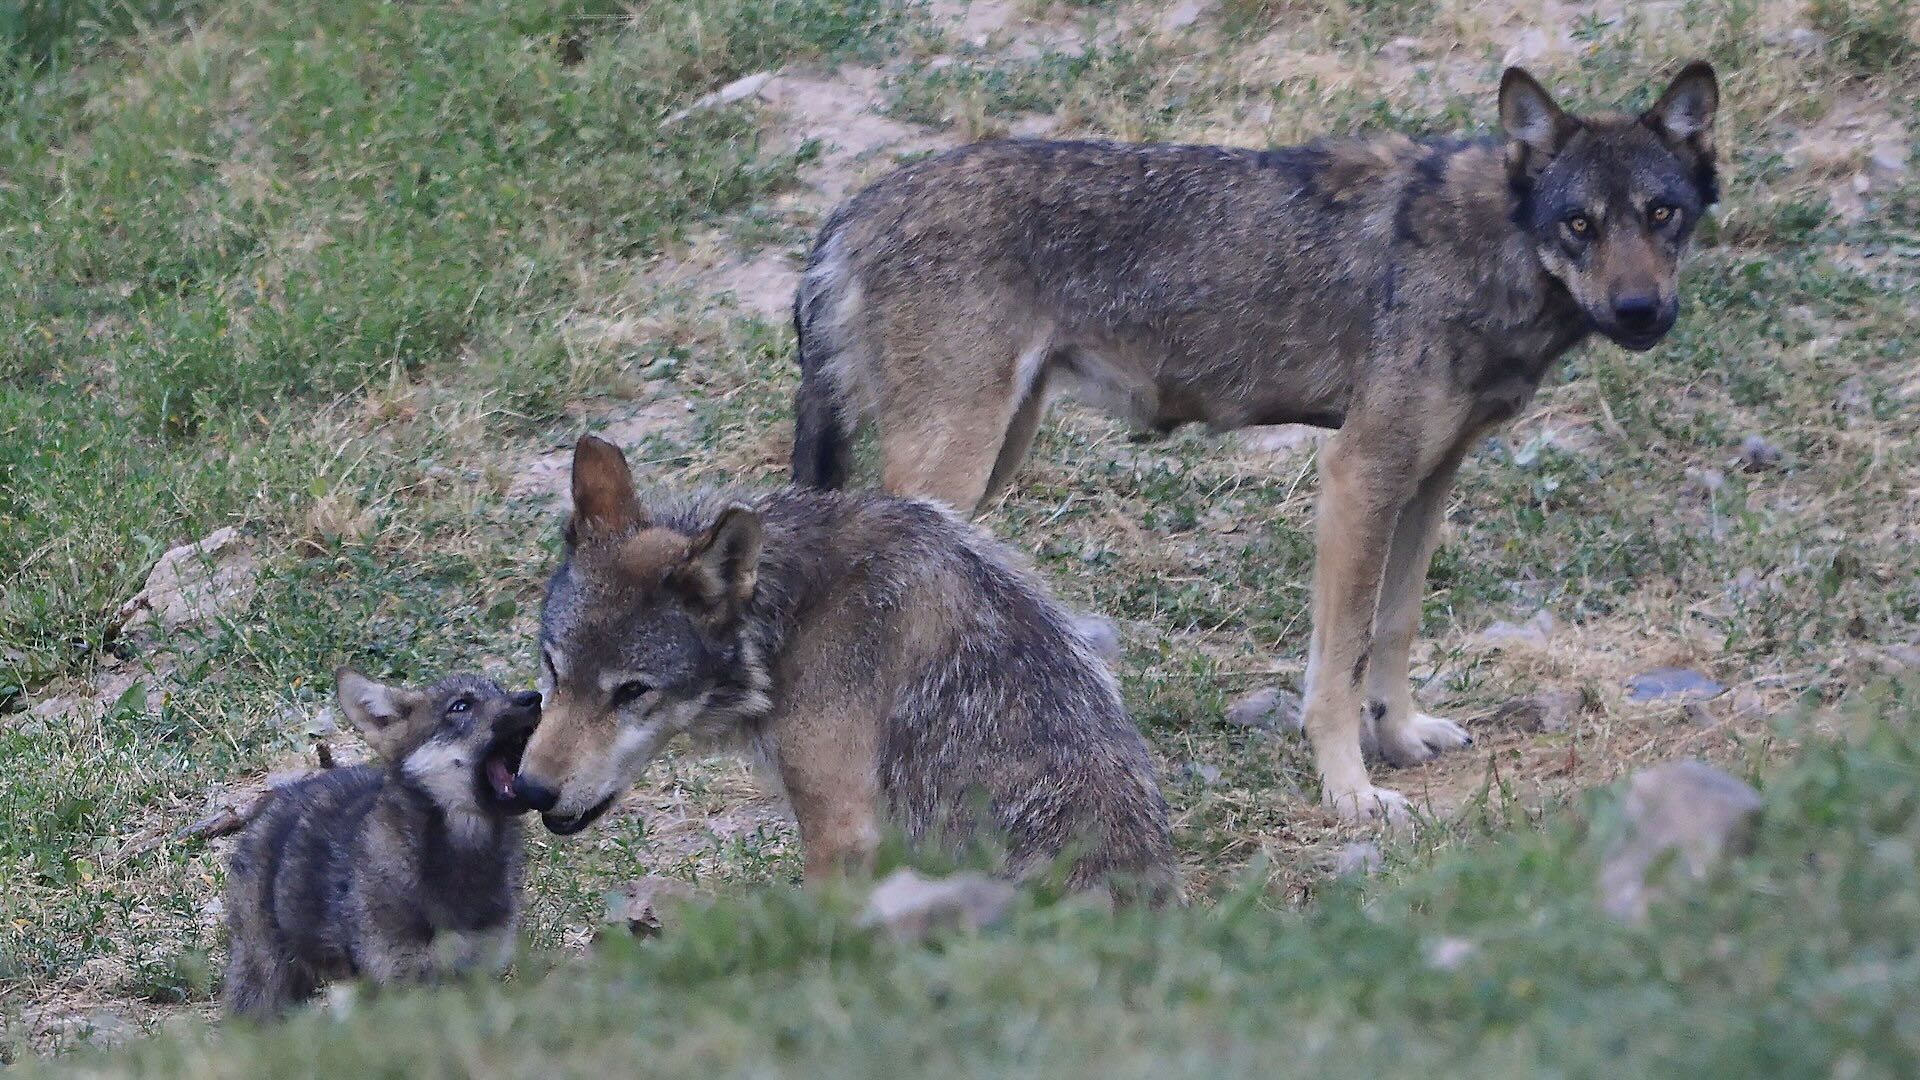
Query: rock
point(194, 584)
point(1534, 632)
point(739, 89)
point(911, 907)
point(1705, 481)
point(1806, 41)
point(1903, 657)
point(1757, 454)
point(1670, 684)
point(1548, 712)
point(646, 906)
point(1266, 709)
point(1689, 808)
point(1448, 953)
point(1183, 15)
point(1203, 772)
point(1888, 161)
point(1101, 635)
point(1361, 857)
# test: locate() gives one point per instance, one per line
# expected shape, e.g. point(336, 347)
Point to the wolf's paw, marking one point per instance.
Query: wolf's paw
point(1420, 739)
point(1369, 803)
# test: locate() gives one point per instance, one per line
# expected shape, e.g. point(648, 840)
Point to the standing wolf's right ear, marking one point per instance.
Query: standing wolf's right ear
point(604, 502)
point(386, 716)
point(1537, 128)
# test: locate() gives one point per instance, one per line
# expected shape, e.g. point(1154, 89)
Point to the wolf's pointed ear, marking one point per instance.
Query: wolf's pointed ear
point(723, 565)
point(388, 717)
point(1536, 127)
point(604, 502)
point(1685, 111)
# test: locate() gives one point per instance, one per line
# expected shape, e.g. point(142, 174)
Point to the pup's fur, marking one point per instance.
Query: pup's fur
point(885, 660)
point(398, 874)
point(1410, 293)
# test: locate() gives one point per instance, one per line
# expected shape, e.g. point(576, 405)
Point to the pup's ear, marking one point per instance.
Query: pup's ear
point(604, 502)
point(1536, 127)
point(1685, 112)
point(724, 563)
point(391, 719)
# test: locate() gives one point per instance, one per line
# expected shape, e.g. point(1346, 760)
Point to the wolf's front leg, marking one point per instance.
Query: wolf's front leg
point(1404, 735)
point(1361, 497)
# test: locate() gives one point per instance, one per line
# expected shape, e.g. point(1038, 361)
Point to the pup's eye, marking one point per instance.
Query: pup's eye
point(459, 705)
point(629, 692)
point(1578, 225)
point(1661, 214)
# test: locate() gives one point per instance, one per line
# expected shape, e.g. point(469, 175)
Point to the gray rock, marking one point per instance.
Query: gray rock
point(1673, 685)
point(1203, 772)
point(1361, 857)
point(1101, 634)
point(739, 89)
point(1448, 953)
point(911, 907)
point(646, 906)
point(1689, 808)
point(1266, 709)
point(1535, 631)
point(194, 584)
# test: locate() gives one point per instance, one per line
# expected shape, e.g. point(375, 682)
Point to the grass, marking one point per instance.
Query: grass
point(1797, 961)
point(338, 274)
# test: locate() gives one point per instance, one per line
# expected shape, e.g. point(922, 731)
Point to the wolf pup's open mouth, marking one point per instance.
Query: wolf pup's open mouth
point(502, 759)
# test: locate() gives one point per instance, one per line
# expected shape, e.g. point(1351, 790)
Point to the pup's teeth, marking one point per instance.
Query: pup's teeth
point(500, 777)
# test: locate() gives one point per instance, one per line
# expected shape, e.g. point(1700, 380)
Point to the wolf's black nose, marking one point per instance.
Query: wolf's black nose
point(534, 793)
point(1640, 312)
point(526, 699)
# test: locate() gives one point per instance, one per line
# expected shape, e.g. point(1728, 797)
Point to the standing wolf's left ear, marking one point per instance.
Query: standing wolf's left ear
point(724, 563)
point(1685, 112)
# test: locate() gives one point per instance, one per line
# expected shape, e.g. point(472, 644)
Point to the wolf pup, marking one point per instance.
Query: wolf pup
point(885, 660)
point(399, 873)
point(1410, 293)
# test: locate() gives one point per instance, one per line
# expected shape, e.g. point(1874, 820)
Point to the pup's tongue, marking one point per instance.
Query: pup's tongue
point(500, 776)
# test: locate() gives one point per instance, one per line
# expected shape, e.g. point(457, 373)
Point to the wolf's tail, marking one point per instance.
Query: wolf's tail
point(822, 436)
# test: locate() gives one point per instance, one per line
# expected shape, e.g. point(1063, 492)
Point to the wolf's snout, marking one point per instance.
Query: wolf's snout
point(534, 793)
point(525, 699)
point(1637, 312)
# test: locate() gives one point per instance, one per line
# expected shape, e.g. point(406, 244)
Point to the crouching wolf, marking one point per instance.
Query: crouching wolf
point(885, 660)
point(397, 873)
point(1410, 293)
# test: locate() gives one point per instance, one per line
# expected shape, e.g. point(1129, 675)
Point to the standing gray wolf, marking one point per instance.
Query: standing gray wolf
point(1410, 293)
point(398, 873)
point(885, 660)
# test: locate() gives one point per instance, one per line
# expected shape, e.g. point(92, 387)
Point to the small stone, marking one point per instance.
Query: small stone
point(1183, 15)
point(1203, 772)
point(1888, 161)
point(1757, 454)
point(1670, 684)
point(1534, 632)
point(1266, 709)
point(646, 906)
point(744, 87)
point(1705, 481)
point(911, 907)
point(1101, 635)
point(1903, 657)
point(1361, 857)
point(1448, 953)
point(1548, 712)
point(1690, 808)
point(940, 63)
point(1805, 41)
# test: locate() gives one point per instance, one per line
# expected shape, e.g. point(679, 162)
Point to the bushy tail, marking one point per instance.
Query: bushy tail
point(822, 438)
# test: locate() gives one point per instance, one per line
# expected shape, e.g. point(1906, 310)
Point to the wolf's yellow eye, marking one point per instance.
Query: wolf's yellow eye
point(1578, 225)
point(1662, 214)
